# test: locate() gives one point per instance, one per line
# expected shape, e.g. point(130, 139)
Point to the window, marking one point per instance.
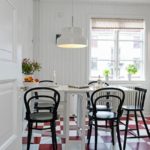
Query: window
point(115, 44)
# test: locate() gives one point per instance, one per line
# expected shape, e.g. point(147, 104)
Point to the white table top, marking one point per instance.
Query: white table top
point(64, 88)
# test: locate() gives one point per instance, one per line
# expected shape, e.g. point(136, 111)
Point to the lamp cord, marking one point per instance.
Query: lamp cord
point(72, 14)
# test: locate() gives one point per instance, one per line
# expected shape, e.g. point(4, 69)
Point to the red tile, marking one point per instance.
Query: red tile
point(134, 126)
point(49, 147)
point(24, 140)
point(37, 140)
point(74, 138)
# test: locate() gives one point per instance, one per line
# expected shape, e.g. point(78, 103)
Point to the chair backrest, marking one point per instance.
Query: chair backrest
point(94, 82)
point(88, 94)
point(46, 83)
point(41, 81)
point(140, 94)
point(111, 95)
point(50, 95)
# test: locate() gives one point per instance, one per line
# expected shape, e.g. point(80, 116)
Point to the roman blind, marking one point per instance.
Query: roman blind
point(117, 23)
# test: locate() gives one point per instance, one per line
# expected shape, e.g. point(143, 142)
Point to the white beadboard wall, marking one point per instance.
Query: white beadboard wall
point(71, 65)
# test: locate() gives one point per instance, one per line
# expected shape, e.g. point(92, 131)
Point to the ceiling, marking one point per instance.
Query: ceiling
point(119, 1)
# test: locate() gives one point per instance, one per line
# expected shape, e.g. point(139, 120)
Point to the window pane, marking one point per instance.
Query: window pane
point(123, 74)
point(133, 35)
point(97, 68)
point(102, 50)
point(131, 50)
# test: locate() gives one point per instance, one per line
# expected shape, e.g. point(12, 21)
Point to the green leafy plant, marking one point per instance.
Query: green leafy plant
point(106, 72)
point(131, 69)
point(29, 67)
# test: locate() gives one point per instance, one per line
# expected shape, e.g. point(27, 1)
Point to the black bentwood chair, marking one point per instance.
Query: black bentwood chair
point(138, 106)
point(99, 107)
point(41, 117)
point(115, 97)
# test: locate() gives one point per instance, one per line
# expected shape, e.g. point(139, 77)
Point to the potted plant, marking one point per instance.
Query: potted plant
point(28, 68)
point(131, 69)
point(106, 73)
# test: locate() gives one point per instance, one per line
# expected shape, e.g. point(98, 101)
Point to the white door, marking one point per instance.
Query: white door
point(10, 112)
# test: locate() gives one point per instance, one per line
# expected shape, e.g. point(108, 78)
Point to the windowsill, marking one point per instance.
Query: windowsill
point(125, 82)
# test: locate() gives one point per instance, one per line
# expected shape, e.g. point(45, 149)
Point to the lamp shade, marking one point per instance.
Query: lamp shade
point(71, 37)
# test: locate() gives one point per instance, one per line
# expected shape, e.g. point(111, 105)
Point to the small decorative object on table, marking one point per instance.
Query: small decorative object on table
point(29, 81)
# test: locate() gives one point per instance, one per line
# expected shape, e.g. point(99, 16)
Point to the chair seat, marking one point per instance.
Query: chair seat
point(100, 107)
point(104, 115)
point(41, 116)
point(131, 108)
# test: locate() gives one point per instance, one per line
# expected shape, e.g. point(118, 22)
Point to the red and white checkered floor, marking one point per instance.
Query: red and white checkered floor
point(41, 140)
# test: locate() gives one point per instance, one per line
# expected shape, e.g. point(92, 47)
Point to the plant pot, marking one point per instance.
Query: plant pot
point(106, 78)
point(129, 77)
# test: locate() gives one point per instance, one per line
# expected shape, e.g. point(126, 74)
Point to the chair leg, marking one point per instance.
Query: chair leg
point(29, 135)
point(55, 135)
point(136, 121)
point(96, 134)
point(89, 131)
point(118, 135)
point(145, 124)
point(112, 132)
point(54, 142)
point(126, 129)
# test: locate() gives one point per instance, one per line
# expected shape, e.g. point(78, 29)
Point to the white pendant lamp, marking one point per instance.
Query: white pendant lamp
point(71, 37)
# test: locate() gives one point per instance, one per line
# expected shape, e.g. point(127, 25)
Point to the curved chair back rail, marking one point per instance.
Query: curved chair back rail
point(93, 82)
point(108, 95)
point(41, 81)
point(36, 93)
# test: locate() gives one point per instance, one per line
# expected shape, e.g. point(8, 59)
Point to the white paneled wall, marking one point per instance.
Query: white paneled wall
point(71, 65)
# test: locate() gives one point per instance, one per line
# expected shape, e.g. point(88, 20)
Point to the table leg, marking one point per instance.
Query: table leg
point(83, 101)
point(66, 120)
point(79, 112)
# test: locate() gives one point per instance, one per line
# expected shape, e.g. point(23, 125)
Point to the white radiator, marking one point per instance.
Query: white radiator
point(129, 98)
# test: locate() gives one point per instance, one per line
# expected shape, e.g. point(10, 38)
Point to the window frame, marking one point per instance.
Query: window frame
point(144, 62)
